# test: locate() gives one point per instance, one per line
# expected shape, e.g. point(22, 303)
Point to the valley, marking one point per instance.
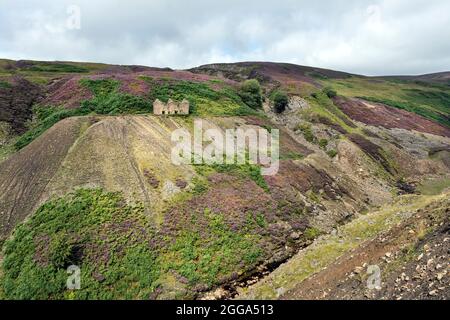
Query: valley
point(86, 179)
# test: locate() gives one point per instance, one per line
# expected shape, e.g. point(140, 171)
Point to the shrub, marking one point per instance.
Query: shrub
point(205, 258)
point(280, 100)
point(200, 186)
point(5, 84)
point(250, 93)
point(332, 153)
point(244, 170)
point(116, 103)
point(323, 143)
point(330, 92)
point(261, 220)
point(307, 132)
point(312, 233)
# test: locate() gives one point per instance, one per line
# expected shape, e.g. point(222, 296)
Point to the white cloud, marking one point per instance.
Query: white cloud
point(370, 37)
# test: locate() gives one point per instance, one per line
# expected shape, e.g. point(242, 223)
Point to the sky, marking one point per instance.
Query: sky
point(370, 37)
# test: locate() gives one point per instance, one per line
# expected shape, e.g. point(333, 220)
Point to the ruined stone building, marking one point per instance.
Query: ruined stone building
point(171, 107)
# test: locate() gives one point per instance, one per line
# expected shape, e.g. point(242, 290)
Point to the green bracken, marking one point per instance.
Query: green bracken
point(5, 84)
point(57, 67)
point(204, 259)
point(243, 170)
point(110, 242)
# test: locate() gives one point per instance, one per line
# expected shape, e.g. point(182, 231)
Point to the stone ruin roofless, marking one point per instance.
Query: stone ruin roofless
point(171, 107)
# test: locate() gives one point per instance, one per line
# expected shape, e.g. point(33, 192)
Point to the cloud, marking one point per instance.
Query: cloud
point(371, 37)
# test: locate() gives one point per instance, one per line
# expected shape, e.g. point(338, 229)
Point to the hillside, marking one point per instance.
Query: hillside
point(86, 179)
point(425, 95)
point(407, 240)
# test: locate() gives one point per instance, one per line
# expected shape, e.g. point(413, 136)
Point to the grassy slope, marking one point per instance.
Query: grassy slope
point(42, 72)
point(430, 101)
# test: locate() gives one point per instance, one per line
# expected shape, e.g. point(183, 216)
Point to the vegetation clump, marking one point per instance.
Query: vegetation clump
point(243, 170)
point(5, 84)
point(323, 143)
point(312, 233)
point(202, 259)
point(251, 94)
point(332, 153)
point(57, 67)
point(330, 92)
point(281, 101)
point(308, 134)
point(108, 100)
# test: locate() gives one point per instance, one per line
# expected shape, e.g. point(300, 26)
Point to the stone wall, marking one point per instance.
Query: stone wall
point(171, 107)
